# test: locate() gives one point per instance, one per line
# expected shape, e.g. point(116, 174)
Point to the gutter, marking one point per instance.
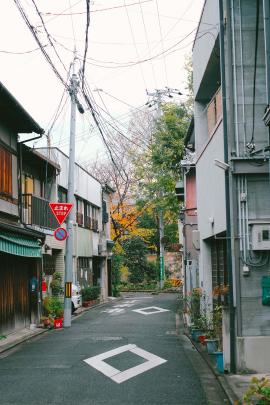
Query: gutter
point(227, 188)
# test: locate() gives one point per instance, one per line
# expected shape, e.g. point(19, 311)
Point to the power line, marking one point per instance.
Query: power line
point(162, 43)
point(21, 53)
point(134, 42)
point(94, 11)
point(56, 15)
point(72, 26)
point(86, 38)
point(34, 33)
point(117, 128)
point(93, 113)
point(47, 33)
point(134, 63)
point(148, 45)
point(130, 64)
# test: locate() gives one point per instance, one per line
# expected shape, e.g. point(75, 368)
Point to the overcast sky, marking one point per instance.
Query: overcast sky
point(121, 33)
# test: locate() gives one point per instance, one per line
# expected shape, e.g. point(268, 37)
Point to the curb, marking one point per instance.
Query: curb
point(22, 340)
point(101, 304)
point(41, 330)
point(220, 378)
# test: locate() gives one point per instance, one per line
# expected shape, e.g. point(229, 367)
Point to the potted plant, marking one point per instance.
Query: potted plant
point(56, 284)
point(219, 361)
point(53, 312)
point(90, 295)
point(211, 342)
point(258, 392)
point(47, 322)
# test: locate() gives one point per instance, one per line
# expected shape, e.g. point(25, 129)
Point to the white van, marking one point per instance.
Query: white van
point(76, 299)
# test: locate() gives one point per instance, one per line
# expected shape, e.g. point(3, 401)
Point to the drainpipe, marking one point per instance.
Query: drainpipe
point(266, 23)
point(227, 188)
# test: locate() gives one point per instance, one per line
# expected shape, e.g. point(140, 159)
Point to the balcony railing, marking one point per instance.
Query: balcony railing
point(36, 211)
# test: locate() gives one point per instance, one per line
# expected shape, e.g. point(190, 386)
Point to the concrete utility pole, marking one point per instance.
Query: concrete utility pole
point(73, 89)
point(156, 98)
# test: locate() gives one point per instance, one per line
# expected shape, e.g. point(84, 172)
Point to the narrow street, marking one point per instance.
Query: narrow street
point(52, 369)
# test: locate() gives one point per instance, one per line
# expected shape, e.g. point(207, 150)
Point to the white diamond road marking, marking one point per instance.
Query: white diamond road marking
point(120, 376)
point(144, 311)
point(120, 307)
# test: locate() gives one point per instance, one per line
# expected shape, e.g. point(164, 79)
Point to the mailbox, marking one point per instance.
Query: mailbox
point(266, 290)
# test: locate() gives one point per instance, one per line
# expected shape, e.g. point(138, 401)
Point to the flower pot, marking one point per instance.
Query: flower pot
point(219, 361)
point(195, 333)
point(86, 304)
point(58, 323)
point(211, 345)
point(201, 339)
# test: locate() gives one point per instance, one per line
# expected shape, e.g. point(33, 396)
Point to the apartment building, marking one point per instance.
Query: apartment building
point(92, 244)
point(231, 90)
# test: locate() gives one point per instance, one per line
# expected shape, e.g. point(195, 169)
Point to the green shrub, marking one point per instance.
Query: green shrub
point(56, 284)
point(53, 307)
point(90, 293)
point(258, 392)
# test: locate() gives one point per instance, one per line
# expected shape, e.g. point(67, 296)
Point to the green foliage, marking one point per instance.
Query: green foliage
point(168, 140)
point(53, 307)
point(151, 271)
point(56, 284)
point(258, 392)
point(117, 262)
point(91, 293)
point(135, 258)
point(146, 286)
point(159, 170)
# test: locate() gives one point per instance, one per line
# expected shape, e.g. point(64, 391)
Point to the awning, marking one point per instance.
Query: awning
point(19, 245)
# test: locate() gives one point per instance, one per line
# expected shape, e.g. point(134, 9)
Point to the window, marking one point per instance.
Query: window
point(62, 195)
point(79, 215)
point(87, 216)
point(5, 173)
point(105, 215)
point(95, 213)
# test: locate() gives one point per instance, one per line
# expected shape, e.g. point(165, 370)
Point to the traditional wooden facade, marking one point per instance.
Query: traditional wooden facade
point(20, 248)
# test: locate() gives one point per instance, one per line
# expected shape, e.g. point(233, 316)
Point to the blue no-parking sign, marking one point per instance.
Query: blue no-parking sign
point(60, 234)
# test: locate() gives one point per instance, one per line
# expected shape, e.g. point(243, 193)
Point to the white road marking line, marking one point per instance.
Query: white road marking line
point(139, 298)
point(113, 310)
point(120, 376)
point(144, 311)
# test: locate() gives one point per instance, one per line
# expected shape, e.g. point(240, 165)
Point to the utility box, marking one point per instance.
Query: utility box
point(260, 236)
point(266, 290)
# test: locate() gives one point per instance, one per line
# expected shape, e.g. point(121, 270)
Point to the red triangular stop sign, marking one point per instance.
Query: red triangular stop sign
point(60, 211)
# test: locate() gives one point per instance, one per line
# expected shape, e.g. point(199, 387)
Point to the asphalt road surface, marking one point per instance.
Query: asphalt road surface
point(111, 355)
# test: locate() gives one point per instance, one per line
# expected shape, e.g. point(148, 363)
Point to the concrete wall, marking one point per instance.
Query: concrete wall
point(86, 186)
point(253, 354)
point(211, 188)
point(205, 41)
